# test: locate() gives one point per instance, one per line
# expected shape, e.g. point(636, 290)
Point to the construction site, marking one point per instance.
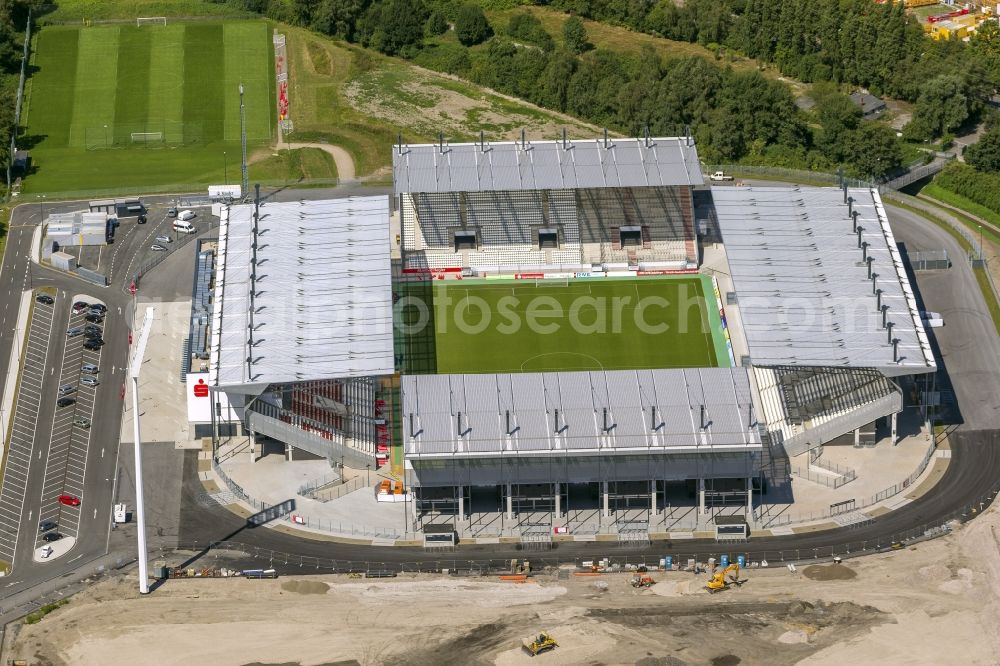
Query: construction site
point(891, 608)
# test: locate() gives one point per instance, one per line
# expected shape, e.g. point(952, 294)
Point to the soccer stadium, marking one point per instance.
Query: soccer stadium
point(570, 335)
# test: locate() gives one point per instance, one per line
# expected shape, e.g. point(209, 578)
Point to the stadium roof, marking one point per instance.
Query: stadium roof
point(802, 279)
point(322, 293)
point(576, 413)
point(545, 165)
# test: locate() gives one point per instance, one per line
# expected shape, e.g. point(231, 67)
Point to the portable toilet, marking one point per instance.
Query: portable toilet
point(724, 561)
point(742, 561)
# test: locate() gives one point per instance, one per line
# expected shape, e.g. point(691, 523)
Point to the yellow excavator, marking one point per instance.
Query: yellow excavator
point(541, 643)
point(720, 581)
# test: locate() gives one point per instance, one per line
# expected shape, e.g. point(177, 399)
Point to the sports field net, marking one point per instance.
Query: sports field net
point(147, 137)
point(150, 20)
point(139, 135)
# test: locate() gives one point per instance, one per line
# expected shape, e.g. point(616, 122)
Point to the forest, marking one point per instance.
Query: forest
point(736, 115)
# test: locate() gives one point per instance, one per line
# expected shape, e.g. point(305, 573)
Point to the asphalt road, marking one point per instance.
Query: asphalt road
point(969, 349)
point(59, 457)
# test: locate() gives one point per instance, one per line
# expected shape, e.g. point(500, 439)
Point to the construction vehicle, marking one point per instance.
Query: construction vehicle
point(541, 643)
point(642, 581)
point(720, 581)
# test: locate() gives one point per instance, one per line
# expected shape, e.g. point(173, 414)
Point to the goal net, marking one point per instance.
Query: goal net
point(147, 137)
point(150, 20)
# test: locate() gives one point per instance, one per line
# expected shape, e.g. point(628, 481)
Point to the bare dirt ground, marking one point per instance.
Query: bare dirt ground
point(933, 603)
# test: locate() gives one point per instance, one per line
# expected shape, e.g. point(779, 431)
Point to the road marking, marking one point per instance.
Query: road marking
point(95, 514)
point(102, 452)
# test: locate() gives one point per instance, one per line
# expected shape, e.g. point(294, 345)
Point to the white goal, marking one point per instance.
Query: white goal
point(147, 137)
point(150, 20)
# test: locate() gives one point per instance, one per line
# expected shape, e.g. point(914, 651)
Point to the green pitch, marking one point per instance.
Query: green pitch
point(559, 325)
point(93, 88)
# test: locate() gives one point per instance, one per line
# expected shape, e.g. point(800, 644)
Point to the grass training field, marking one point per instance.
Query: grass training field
point(563, 325)
point(93, 88)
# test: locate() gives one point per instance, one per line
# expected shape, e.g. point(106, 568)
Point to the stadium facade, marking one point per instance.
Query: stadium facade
point(819, 327)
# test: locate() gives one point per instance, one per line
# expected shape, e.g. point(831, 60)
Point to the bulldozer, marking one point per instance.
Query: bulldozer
point(539, 644)
point(720, 582)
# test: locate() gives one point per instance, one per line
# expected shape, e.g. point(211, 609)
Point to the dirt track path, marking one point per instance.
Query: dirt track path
point(342, 158)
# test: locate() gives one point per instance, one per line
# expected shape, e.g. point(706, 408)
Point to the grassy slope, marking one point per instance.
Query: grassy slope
point(935, 191)
point(362, 101)
point(580, 339)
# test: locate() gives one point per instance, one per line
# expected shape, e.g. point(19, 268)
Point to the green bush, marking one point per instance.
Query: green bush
point(36, 617)
point(527, 28)
point(449, 58)
point(471, 25)
point(982, 188)
point(437, 24)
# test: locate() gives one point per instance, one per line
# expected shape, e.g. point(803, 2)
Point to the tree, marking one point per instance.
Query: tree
point(873, 150)
point(437, 24)
point(526, 27)
point(838, 117)
point(471, 25)
point(985, 154)
point(393, 25)
point(943, 104)
point(575, 35)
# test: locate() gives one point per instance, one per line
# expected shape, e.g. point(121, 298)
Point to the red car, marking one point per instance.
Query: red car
point(69, 500)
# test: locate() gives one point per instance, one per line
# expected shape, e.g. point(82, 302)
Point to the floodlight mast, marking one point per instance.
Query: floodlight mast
point(243, 142)
point(135, 367)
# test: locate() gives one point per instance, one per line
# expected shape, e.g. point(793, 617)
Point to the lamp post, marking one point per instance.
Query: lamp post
point(368, 474)
point(41, 212)
point(225, 166)
point(980, 242)
point(105, 136)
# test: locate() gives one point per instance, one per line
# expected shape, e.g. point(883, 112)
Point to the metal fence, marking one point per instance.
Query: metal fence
point(765, 520)
point(159, 257)
point(335, 527)
point(681, 551)
point(832, 480)
point(792, 175)
point(19, 101)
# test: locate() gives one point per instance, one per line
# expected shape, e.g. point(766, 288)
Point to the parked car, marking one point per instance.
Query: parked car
point(141, 219)
point(157, 248)
point(75, 331)
point(46, 525)
point(80, 306)
point(52, 536)
point(89, 369)
point(66, 389)
point(65, 402)
point(186, 215)
point(720, 176)
point(89, 381)
point(81, 423)
point(93, 344)
point(99, 308)
point(94, 318)
point(90, 329)
point(92, 335)
point(171, 212)
point(45, 299)
point(164, 239)
point(69, 500)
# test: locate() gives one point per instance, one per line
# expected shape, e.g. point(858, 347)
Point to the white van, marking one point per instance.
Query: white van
point(183, 227)
point(186, 215)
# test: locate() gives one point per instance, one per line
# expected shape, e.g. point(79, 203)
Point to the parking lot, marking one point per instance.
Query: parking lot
point(66, 465)
point(23, 427)
point(141, 243)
